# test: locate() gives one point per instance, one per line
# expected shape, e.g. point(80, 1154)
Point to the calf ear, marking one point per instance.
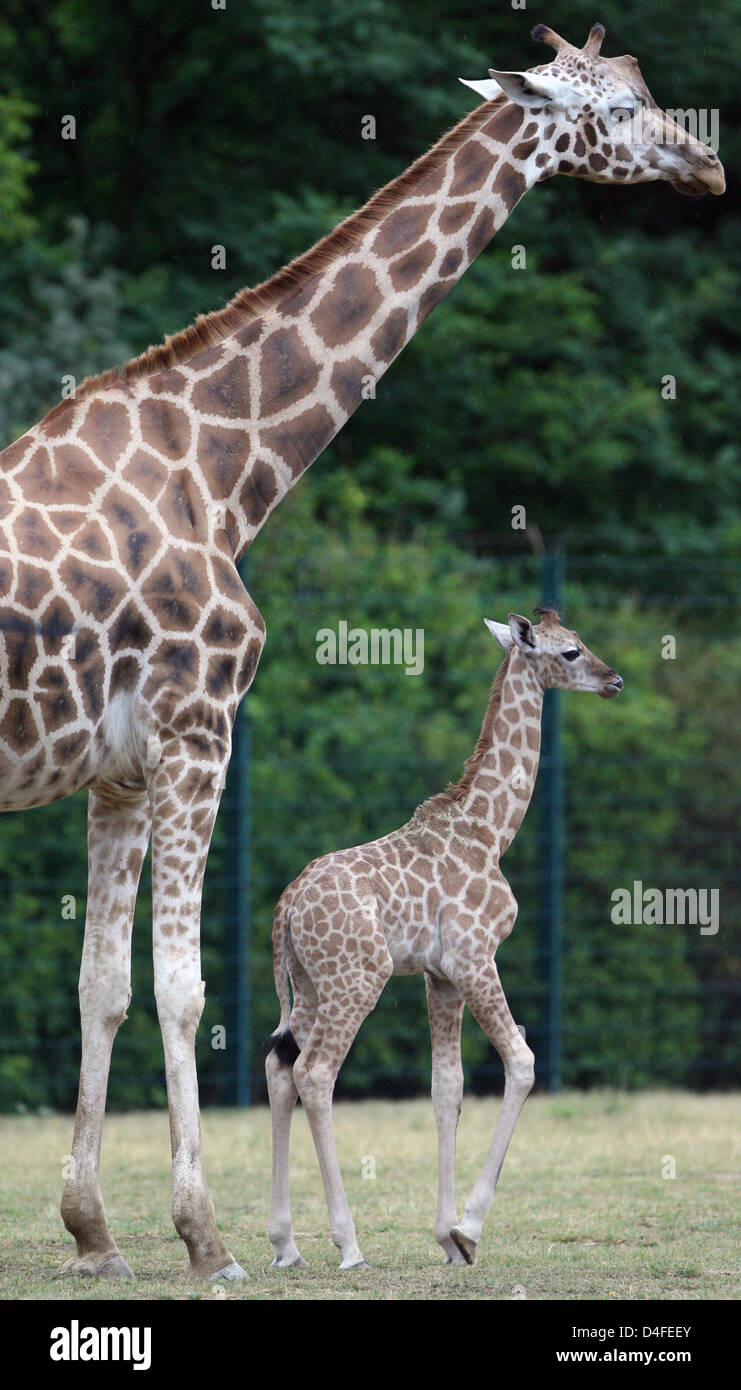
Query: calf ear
point(522, 632)
point(500, 632)
point(537, 89)
point(487, 88)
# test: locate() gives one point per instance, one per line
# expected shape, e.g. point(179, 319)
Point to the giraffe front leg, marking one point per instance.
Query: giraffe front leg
point(117, 842)
point(445, 1009)
point(484, 996)
point(185, 793)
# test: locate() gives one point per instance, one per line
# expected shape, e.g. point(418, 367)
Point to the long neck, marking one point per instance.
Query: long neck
point(500, 776)
point(312, 343)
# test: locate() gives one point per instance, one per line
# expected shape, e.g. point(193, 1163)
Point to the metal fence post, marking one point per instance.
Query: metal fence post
point(551, 848)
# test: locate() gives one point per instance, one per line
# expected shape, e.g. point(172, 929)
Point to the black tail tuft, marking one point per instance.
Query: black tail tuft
point(284, 1045)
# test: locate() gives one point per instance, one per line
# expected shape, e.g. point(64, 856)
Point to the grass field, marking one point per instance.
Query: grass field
point(582, 1209)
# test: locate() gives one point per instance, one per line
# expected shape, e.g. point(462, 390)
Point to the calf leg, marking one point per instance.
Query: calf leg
point(346, 997)
point(485, 997)
point(283, 1094)
point(445, 1009)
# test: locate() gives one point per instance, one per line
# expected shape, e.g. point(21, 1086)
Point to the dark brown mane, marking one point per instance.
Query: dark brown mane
point(457, 791)
point(248, 304)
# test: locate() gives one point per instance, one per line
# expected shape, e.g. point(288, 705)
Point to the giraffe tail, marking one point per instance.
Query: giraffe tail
point(282, 1041)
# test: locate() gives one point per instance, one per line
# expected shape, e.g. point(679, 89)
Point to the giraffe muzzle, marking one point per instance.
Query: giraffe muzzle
point(701, 179)
point(611, 688)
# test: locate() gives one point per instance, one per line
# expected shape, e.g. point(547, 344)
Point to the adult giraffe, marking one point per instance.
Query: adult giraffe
point(127, 636)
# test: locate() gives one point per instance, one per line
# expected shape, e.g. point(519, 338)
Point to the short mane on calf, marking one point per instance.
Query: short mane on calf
point(456, 792)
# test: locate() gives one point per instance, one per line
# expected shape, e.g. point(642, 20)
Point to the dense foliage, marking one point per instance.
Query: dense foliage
point(538, 387)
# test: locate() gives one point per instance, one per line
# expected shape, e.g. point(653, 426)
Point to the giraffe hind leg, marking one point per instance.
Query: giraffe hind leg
point(281, 1051)
point(185, 789)
point(315, 1073)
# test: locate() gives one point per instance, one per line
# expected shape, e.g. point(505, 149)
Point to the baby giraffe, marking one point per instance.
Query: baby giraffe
point(428, 898)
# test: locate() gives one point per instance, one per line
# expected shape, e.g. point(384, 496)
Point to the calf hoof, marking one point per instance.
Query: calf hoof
point(98, 1267)
point(464, 1244)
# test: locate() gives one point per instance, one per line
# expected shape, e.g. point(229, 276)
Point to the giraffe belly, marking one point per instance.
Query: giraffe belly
point(47, 734)
point(44, 774)
point(59, 730)
point(413, 943)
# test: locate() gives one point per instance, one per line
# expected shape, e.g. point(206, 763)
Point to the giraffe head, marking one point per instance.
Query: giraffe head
point(558, 657)
point(597, 120)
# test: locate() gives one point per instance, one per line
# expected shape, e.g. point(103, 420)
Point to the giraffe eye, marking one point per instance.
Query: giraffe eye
point(620, 112)
point(571, 654)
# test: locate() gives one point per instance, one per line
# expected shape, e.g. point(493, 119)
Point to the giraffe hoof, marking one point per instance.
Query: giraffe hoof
point(456, 1258)
point(464, 1244)
point(232, 1271)
point(298, 1263)
point(355, 1264)
point(91, 1267)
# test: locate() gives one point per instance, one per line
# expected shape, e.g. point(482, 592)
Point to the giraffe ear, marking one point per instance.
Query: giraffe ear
point(500, 632)
point(522, 632)
point(487, 88)
point(537, 89)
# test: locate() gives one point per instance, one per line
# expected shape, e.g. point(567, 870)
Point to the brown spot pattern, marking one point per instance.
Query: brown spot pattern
point(106, 430)
point(165, 428)
point(400, 230)
point(226, 391)
point(299, 441)
point(287, 369)
point(348, 307)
